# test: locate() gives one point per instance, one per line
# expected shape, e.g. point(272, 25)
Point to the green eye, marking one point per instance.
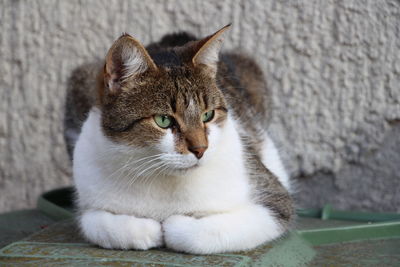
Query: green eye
point(207, 116)
point(164, 121)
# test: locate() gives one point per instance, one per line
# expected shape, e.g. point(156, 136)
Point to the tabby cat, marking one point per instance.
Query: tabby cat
point(173, 150)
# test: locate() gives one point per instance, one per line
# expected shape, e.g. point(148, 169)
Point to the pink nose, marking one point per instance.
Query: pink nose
point(198, 151)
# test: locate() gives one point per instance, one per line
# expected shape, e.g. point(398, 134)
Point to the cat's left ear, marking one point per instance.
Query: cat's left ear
point(208, 50)
point(126, 58)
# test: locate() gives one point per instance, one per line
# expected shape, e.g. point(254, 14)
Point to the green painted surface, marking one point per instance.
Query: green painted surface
point(292, 252)
point(372, 253)
point(19, 224)
point(321, 239)
point(352, 233)
point(62, 244)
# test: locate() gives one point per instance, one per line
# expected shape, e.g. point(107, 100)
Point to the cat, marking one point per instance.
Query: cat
point(174, 150)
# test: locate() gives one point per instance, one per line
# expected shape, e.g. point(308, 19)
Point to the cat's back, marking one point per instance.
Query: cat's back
point(81, 96)
point(242, 81)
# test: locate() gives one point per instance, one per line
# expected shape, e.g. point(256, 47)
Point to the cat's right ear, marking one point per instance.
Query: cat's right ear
point(207, 50)
point(126, 58)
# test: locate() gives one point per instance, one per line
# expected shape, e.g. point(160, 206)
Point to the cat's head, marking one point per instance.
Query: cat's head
point(166, 105)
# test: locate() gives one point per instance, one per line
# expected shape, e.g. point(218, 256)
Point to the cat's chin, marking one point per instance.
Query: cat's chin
point(183, 171)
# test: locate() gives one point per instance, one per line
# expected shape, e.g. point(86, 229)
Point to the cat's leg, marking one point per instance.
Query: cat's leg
point(120, 231)
point(242, 229)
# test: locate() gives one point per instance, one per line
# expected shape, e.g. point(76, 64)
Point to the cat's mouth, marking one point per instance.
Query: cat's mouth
point(177, 164)
point(185, 169)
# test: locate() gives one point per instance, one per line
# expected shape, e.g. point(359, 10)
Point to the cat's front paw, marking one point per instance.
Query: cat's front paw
point(121, 231)
point(147, 235)
point(181, 234)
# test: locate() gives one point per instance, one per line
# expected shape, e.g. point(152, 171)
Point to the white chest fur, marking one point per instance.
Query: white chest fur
point(218, 186)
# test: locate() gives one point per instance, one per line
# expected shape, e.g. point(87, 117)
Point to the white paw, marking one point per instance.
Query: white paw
point(146, 234)
point(242, 229)
point(181, 233)
point(121, 231)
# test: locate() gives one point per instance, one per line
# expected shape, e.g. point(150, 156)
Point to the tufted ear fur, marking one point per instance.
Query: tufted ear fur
point(126, 58)
point(208, 50)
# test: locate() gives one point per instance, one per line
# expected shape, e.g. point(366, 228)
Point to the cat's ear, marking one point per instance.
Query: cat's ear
point(208, 50)
point(127, 57)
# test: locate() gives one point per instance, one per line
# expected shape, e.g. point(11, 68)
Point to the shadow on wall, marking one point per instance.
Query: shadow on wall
point(373, 181)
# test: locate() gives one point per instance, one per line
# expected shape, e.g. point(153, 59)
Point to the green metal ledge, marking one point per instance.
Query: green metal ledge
point(323, 237)
point(58, 204)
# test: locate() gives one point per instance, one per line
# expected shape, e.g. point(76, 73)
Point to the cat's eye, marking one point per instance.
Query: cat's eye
point(163, 121)
point(207, 116)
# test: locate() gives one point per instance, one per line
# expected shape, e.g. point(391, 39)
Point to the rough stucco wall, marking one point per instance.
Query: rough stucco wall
point(333, 66)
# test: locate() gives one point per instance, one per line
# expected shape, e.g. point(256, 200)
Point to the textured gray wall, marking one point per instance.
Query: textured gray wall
point(334, 68)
